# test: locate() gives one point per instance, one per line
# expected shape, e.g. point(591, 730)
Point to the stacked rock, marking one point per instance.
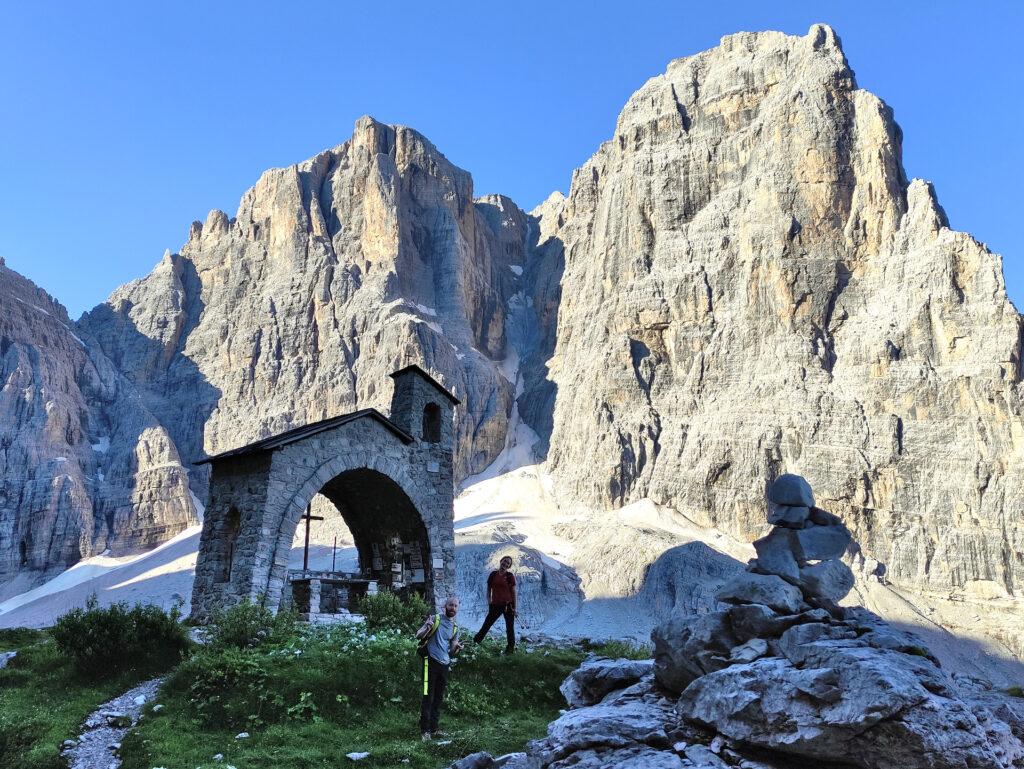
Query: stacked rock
point(780, 676)
point(806, 543)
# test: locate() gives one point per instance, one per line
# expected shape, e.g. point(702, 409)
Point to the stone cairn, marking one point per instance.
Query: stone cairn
point(805, 546)
point(779, 677)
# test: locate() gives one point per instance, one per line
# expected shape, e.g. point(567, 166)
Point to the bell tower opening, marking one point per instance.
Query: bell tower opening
point(432, 423)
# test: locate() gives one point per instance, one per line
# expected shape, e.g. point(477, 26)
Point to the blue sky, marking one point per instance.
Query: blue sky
point(120, 123)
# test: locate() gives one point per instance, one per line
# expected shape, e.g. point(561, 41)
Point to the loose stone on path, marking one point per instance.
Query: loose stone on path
point(105, 727)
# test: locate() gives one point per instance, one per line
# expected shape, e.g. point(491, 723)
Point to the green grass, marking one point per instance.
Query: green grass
point(619, 650)
point(346, 690)
point(307, 696)
point(43, 700)
point(1015, 691)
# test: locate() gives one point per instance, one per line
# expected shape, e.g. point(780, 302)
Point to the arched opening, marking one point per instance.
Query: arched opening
point(232, 526)
point(432, 423)
point(364, 534)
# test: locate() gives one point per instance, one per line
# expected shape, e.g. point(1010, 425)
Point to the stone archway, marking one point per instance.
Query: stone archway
point(389, 477)
point(378, 501)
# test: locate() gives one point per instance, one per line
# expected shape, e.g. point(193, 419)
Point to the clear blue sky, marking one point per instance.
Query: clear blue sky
point(120, 123)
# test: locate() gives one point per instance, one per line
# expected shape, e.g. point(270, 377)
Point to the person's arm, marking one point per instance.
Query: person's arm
point(489, 593)
point(515, 595)
point(425, 628)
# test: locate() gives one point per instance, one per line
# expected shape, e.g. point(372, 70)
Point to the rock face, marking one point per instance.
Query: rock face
point(756, 684)
point(86, 467)
point(750, 284)
point(740, 282)
point(333, 273)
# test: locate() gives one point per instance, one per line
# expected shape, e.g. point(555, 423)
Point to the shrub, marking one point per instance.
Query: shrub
point(101, 642)
point(620, 650)
point(230, 687)
point(1015, 691)
point(386, 611)
point(247, 625)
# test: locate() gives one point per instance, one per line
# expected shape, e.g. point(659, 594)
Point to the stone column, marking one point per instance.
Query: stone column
point(314, 596)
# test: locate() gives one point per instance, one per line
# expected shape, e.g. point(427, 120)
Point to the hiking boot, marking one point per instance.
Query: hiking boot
point(425, 736)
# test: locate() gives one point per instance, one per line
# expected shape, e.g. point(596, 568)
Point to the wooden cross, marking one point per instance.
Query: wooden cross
point(309, 517)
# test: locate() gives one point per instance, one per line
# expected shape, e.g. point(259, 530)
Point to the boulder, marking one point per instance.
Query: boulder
point(703, 758)
point(606, 727)
point(688, 647)
point(795, 642)
point(753, 620)
point(790, 489)
point(788, 516)
point(822, 518)
point(767, 589)
point(481, 760)
point(518, 760)
point(775, 554)
point(820, 543)
point(595, 678)
point(829, 579)
point(633, 757)
point(748, 652)
point(859, 706)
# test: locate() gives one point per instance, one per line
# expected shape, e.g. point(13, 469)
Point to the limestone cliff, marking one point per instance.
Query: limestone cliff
point(86, 467)
point(752, 286)
point(740, 282)
point(333, 273)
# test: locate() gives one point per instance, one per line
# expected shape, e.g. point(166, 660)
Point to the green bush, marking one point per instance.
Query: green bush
point(386, 611)
point(1015, 691)
point(620, 650)
point(101, 642)
point(230, 686)
point(247, 625)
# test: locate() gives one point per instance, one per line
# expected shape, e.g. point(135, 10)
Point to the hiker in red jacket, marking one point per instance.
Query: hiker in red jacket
point(501, 601)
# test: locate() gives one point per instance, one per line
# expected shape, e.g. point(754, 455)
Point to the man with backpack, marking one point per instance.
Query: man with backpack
point(501, 601)
point(439, 639)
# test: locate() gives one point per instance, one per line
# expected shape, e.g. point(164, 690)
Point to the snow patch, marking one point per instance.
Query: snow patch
point(94, 569)
point(102, 446)
point(517, 269)
point(199, 506)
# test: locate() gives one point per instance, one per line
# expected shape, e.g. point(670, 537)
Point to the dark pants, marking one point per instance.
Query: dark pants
point(493, 612)
point(435, 679)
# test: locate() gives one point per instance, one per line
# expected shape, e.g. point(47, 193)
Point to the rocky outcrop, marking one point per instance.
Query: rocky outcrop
point(751, 285)
point(86, 467)
point(768, 681)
